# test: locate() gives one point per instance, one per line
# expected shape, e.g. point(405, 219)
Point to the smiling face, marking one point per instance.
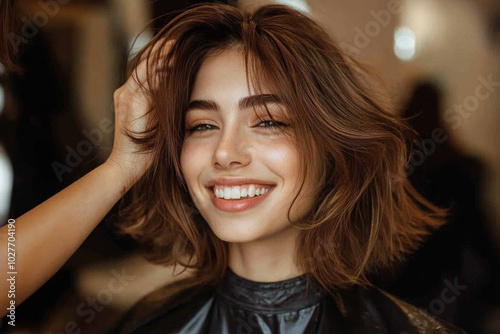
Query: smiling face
point(228, 143)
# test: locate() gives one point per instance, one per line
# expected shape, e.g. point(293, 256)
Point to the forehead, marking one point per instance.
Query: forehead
point(220, 75)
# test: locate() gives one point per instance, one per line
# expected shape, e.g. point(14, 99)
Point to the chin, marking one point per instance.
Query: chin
point(237, 231)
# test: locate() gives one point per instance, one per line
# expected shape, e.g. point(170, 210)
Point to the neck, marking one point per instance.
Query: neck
point(266, 260)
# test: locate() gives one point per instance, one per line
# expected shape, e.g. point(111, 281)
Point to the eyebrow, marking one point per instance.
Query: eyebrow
point(251, 101)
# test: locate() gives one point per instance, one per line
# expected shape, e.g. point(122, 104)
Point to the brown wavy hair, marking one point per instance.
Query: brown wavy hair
point(366, 216)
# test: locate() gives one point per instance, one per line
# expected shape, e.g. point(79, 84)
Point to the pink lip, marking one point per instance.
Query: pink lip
point(237, 205)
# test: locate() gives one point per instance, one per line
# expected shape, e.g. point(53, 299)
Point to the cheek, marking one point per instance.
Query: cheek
point(282, 160)
point(191, 161)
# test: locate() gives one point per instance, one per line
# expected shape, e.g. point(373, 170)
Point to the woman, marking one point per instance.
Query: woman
point(256, 158)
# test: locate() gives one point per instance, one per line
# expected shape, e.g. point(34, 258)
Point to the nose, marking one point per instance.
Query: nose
point(232, 150)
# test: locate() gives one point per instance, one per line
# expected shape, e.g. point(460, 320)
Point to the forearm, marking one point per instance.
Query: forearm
point(47, 236)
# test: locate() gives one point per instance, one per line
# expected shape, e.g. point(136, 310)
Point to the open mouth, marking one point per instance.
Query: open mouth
point(240, 192)
point(233, 199)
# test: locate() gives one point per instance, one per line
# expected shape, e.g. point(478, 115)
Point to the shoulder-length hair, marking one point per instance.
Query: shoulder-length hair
point(366, 214)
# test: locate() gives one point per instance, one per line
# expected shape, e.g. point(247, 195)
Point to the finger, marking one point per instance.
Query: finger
point(150, 64)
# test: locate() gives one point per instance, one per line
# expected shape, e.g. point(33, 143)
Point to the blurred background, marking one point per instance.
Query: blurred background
point(439, 61)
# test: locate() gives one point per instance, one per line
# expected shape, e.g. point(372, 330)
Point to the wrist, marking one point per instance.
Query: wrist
point(116, 173)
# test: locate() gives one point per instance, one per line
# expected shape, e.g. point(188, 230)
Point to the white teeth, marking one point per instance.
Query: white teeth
point(251, 191)
point(235, 192)
point(238, 192)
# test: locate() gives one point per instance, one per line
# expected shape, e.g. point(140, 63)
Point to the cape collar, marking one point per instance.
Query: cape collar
point(290, 294)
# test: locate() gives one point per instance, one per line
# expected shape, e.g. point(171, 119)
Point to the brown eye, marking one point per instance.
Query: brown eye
point(200, 128)
point(273, 124)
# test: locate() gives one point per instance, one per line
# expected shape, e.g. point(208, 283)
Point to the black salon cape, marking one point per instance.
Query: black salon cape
point(241, 306)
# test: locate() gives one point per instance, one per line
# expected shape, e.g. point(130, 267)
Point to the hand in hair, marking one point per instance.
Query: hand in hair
point(132, 116)
point(51, 232)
